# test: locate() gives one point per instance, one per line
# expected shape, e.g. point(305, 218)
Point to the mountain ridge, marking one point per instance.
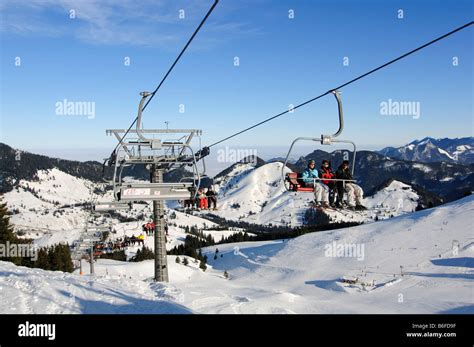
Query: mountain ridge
point(427, 150)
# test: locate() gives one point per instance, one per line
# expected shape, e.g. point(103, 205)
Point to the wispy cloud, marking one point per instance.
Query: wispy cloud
point(113, 22)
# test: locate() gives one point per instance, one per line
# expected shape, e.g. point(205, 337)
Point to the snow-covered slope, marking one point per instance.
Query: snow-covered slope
point(176, 232)
point(415, 263)
point(45, 209)
point(50, 210)
point(246, 193)
point(257, 195)
point(398, 197)
point(433, 249)
point(48, 204)
point(31, 291)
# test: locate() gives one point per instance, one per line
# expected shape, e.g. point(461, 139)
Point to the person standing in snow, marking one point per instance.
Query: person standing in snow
point(354, 191)
point(309, 177)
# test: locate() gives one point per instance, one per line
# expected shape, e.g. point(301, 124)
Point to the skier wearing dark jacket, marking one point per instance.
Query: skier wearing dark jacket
point(354, 192)
point(343, 171)
point(211, 197)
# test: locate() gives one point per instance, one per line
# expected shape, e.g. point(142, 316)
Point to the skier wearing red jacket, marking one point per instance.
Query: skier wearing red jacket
point(326, 172)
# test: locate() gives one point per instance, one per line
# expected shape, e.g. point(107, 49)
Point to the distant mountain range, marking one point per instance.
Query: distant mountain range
point(447, 180)
point(282, 159)
point(16, 165)
point(250, 191)
point(429, 150)
point(444, 180)
point(256, 194)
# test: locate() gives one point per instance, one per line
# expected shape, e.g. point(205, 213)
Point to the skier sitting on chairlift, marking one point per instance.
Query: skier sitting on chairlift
point(211, 198)
point(202, 199)
point(321, 191)
point(354, 191)
point(150, 227)
point(326, 172)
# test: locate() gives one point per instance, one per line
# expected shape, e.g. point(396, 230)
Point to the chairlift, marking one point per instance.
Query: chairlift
point(192, 204)
point(163, 154)
point(292, 180)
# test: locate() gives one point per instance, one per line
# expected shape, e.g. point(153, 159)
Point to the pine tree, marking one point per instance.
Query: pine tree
point(202, 265)
point(56, 261)
point(6, 230)
point(43, 259)
point(116, 255)
point(138, 255)
point(144, 254)
point(185, 261)
point(6, 233)
point(68, 266)
point(178, 260)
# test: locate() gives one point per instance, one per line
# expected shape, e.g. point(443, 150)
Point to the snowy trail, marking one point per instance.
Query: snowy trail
point(408, 265)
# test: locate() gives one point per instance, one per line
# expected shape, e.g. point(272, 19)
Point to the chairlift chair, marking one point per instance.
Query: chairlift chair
point(292, 180)
point(164, 154)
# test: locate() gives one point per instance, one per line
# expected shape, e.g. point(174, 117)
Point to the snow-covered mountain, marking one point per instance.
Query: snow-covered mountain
point(49, 200)
point(16, 165)
point(430, 150)
point(49, 205)
point(53, 201)
point(417, 263)
point(425, 256)
point(53, 208)
point(449, 181)
point(258, 195)
point(282, 159)
point(395, 196)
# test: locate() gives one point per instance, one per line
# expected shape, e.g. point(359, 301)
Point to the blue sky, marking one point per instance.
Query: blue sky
point(282, 61)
